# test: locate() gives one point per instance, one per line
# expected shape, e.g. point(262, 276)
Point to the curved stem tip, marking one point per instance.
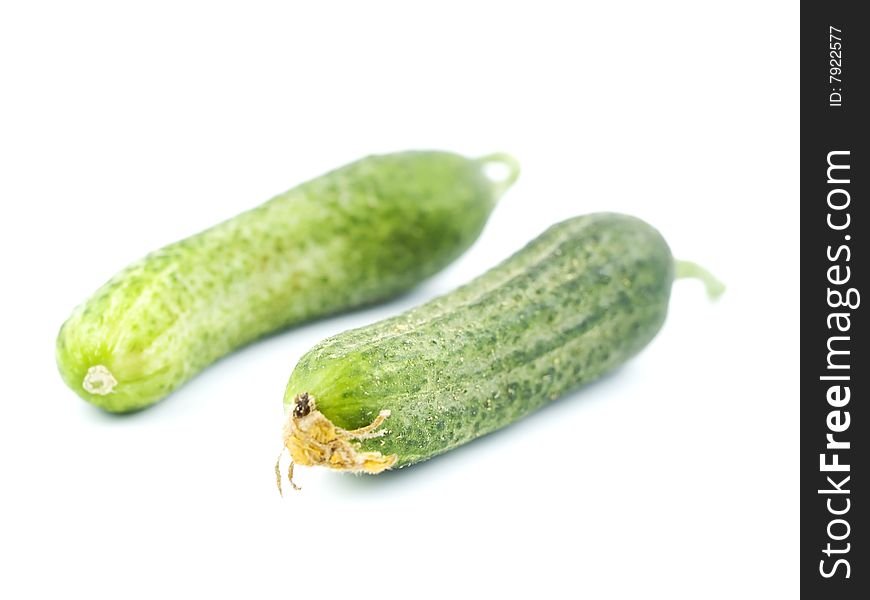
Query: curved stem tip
point(688, 270)
point(501, 169)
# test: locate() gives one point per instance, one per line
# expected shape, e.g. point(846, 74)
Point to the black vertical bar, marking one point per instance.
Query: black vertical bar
point(835, 364)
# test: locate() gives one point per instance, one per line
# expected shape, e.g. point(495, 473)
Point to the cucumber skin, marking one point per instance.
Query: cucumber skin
point(354, 236)
point(575, 303)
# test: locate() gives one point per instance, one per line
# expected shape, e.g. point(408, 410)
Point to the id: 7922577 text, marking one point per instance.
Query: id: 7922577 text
point(835, 64)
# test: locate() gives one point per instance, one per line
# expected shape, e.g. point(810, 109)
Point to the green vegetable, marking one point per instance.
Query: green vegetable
point(357, 235)
point(575, 303)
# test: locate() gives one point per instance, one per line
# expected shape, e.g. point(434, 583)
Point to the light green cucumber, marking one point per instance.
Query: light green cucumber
point(575, 303)
point(354, 236)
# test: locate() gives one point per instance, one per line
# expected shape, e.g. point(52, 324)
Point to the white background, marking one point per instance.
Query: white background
point(124, 129)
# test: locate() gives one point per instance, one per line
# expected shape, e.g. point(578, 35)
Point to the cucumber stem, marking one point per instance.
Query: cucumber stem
point(99, 380)
point(312, 439)
point(686, 269)
point(504, 162)
point(289, 474)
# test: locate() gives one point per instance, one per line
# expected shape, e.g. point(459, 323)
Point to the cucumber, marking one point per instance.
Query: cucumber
point(575, 303)
point(357, 235)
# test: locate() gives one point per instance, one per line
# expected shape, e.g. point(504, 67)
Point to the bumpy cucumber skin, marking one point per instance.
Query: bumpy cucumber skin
point(575, 303)
point(357, 235)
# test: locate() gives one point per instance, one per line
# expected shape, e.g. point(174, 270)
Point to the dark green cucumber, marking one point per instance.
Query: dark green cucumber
point(357, 235)
point(575, 303)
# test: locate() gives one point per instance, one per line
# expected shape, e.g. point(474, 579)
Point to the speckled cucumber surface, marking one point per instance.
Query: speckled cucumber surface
point(354, 236)
point(575, 303)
